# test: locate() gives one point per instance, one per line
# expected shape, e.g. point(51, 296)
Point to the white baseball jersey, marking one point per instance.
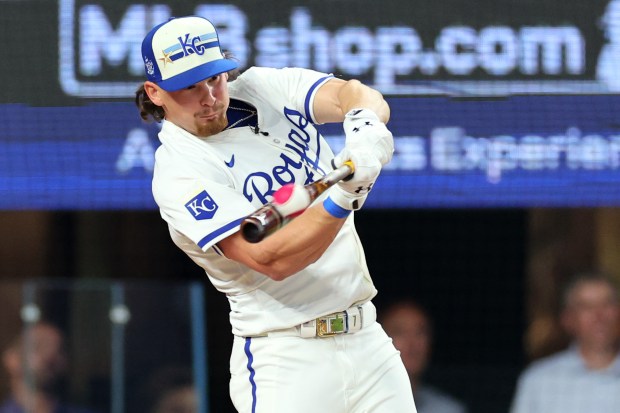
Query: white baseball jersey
point(205, 187)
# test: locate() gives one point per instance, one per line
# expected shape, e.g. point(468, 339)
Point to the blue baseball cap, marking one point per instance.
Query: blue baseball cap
point(183, 51)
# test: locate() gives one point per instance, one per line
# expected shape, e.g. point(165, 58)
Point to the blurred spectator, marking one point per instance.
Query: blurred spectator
point(36, 362)
point(171, 390)
point(410, 328)
point(586, 376)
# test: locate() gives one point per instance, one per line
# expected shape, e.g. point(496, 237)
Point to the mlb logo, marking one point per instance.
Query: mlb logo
point(202, 206)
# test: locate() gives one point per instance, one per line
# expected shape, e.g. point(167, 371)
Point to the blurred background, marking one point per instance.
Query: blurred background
point(505, 180)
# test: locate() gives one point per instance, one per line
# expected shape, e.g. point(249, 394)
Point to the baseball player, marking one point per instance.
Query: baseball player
point(305, 335)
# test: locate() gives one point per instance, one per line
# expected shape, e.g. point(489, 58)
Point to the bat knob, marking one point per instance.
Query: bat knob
point(261, 223)
point(252, 230)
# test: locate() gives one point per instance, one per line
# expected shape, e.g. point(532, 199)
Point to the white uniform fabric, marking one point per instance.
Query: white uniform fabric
point(348, 373)
point(562, 383)
point(204, 187)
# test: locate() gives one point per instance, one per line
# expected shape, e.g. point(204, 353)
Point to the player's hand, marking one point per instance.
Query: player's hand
point(350, 194)
point(363, 128)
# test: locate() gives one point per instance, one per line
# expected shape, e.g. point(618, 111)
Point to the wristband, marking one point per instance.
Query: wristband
point(335, 210)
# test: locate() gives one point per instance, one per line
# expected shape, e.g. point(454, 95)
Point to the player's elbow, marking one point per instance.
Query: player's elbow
point(278, 276)
point(282, 269)
point(276, 272)
point(279, 271)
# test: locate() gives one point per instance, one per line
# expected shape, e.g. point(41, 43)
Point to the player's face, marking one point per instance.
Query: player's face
point(593, 315)
point(200, 108)
point(410, 332)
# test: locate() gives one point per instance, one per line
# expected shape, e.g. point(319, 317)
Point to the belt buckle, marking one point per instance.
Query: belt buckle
point(331, 325)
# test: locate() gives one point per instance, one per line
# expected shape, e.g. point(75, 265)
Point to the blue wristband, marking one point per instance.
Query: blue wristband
point(335, 210)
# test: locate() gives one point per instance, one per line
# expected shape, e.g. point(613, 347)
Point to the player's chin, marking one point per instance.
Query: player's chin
point(210, 126)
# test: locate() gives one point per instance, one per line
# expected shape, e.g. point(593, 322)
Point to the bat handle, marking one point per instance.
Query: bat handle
point(271, 217)
point(344, 171)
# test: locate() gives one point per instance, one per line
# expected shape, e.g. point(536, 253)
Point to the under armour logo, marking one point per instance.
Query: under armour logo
point(357, 128)
point(363, 189)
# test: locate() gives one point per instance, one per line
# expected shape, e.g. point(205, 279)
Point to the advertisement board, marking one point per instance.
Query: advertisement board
point(497, 104)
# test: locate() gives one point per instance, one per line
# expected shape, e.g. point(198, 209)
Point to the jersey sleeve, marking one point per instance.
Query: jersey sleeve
point(205, 211)
point(297, 86)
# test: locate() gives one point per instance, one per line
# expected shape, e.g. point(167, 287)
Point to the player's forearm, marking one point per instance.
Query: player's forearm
point(289, 250)
point(353, 94)
point(337, 97)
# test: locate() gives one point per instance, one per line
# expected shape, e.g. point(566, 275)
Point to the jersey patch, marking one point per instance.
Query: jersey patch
point(202, 206)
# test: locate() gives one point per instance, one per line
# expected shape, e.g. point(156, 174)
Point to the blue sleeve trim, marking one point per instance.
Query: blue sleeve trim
point(309, 96)
point(335, 210)
point(219, 232)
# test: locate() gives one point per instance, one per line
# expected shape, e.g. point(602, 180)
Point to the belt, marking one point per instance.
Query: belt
point(343, 322)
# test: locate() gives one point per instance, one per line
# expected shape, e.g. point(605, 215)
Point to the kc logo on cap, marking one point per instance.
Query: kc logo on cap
point(183, 51)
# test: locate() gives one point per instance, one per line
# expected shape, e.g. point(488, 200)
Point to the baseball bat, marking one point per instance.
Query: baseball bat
point(289, 201)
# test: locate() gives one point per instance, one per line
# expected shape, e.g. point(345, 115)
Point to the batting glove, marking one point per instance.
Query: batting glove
point(350, 194)
point(363, 128)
